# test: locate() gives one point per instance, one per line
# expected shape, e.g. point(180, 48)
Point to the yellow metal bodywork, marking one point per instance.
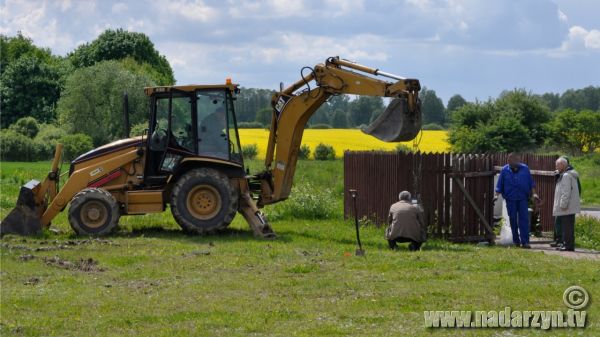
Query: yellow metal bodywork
point(189, 88)
point(83, 175)
point(142, 202)
point(287, 127)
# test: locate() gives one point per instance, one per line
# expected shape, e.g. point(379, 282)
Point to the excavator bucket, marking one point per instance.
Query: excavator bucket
point(24, 219)
point(397, 123)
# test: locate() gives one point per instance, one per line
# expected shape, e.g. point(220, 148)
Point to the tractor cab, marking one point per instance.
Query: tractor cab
point(192, 122)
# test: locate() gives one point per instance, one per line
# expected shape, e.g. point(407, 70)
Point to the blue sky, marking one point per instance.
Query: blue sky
point(475, 48)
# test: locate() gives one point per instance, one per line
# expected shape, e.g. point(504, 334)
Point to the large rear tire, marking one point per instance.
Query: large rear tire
point(203, 200)
point(94, 211)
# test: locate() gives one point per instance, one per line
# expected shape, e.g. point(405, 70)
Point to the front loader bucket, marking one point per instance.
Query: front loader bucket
point(24, 219)
point(397, 123)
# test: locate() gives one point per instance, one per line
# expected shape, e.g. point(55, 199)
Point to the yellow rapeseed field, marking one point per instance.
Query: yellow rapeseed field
point(347, 139)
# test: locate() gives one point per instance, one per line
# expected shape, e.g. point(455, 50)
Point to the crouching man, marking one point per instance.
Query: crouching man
point(566, 202)
point(405, 224)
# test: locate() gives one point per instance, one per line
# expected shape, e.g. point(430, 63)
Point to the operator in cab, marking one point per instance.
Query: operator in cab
point(405, 224)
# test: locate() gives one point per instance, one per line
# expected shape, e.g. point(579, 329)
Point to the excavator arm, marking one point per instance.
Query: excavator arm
point(292, 108)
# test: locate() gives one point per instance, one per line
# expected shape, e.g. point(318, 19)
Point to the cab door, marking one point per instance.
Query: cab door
point(172, 134)
point(217, 130)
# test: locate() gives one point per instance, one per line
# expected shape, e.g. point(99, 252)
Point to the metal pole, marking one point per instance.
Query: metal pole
point(359, 251)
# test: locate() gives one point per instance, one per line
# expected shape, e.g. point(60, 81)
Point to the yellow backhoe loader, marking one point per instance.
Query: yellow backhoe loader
point(190, 157)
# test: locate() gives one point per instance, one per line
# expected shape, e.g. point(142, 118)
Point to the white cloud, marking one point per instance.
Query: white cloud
point(580, 38)
point(31, 20)
point(195, 10)
point(562, 16)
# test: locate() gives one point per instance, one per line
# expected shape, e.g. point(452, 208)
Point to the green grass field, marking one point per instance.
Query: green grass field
point(150, 279)
point(589, 170)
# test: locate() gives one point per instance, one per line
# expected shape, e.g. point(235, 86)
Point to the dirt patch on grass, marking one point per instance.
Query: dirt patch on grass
point(88, 265)
point(46, 245)
point(32, 281)
point(26, 257)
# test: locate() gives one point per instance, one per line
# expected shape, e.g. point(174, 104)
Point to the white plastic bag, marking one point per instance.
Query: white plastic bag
point(506, 237)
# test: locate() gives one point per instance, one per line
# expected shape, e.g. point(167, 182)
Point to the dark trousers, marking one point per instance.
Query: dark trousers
point(414, 245)
point(568, 230)
point(558, 236)
point(518, 213)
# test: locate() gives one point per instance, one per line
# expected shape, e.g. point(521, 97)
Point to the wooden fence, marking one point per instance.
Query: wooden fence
point(455, 190)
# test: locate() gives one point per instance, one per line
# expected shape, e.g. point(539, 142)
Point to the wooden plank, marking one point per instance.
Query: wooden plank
point(533, 172)
point(472, 202)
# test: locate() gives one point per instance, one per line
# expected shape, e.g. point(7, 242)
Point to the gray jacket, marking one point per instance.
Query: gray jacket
point(566, 194)
point(406, 221)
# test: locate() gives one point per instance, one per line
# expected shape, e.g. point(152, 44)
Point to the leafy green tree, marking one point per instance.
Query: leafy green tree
point(532, 113)
point(27, 126)
point(506, 134)
point(339, 102)
point(15, 47)
point(340, 119)
point(263, 116)
point(75, 145)
point(575, 131)
point(321, 116)
point(363, 108)
point(551, 99)
point(120, 44)
point(29, 87)
point(432, 126)
point(46, 140)
point(432, 107)
point(455, 102)
point(580, 99)
point(514, 122)
point(92, 101)
point(138, 129)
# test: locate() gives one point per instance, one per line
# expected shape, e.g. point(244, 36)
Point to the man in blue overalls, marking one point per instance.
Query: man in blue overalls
point(516, 186)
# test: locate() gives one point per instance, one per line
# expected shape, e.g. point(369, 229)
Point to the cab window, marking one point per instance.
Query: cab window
point(213, 140)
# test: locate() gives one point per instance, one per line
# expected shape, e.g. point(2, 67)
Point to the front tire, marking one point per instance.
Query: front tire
point(203, 200)
point(94, 211)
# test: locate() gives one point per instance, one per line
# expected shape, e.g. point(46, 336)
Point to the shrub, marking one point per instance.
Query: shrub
point(76, 144)
point(250, 151)
point(324, 152)
point(587, 232)
point(404, 148)
point(306, 202)
point(138, 129)
point(46, 140)
point(320, 126)
point(27, 126)
point(17, 147)
point(304, 152)
point(432, 126)
point(250, 125)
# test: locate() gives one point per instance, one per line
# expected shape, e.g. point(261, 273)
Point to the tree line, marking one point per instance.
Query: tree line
point(77, 99)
